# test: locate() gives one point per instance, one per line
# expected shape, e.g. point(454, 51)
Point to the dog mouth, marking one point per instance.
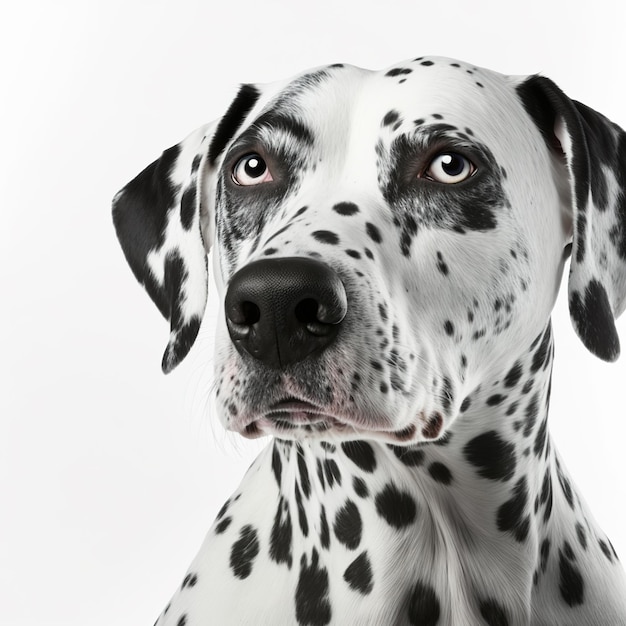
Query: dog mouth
point(294, 417)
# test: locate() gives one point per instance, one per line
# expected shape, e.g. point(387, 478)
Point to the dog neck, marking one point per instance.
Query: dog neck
point(489, 506)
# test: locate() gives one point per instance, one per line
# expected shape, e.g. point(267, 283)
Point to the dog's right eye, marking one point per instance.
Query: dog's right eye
point(251, 169)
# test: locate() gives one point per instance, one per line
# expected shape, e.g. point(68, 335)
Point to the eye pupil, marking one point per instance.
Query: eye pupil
point(255, 167)
point(452, 164)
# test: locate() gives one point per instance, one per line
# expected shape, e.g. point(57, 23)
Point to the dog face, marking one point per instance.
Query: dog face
point(383, 241)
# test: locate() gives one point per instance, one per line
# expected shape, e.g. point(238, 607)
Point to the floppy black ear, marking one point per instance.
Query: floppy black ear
point(157, 218)
point(595, 153)
point(164, 221)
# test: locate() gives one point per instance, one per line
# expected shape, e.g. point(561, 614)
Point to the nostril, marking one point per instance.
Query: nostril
point(251, 313)
point(306, 311)
point(314, 317)
point(244, 313)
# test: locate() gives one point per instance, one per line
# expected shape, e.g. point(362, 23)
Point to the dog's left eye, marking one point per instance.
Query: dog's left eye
point(251, 170)
point(449, 168)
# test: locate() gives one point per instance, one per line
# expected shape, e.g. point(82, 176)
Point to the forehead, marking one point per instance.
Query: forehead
point(331, 101)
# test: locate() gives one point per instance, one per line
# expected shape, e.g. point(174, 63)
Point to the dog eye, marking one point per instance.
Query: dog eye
point(449, 168)
point(251, 170)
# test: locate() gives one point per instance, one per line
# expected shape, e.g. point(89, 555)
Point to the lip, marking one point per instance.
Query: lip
point(293, 418)
point(295, 410)
point(291, 414)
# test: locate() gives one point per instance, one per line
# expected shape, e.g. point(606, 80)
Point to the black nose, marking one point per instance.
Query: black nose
point(282, 310)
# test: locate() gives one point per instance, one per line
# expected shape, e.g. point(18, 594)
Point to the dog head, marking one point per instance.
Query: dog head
point(384, 241)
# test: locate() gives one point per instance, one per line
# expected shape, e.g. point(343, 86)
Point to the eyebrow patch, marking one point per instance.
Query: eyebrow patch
point(229, 124)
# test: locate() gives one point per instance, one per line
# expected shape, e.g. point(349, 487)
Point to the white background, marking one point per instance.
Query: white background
point(111, 473)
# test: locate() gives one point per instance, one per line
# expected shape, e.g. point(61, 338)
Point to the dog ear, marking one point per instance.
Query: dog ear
point(595, 153)
point(157, 220)
point(164, 221)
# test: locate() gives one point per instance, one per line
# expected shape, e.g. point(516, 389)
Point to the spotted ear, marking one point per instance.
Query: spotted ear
point(595, 153)
point(160, 217)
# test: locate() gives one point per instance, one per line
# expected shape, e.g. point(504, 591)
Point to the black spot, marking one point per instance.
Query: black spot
point(440, 473)
point(373, 233)
point(184, 332)
point(326, 236)
point(493, 613)
point(277, 464)
point(182, 621)
point(188, 206)
point(411, 457)
point(398, 71)
point(359, 574)
point(433, 426)
point(391, 118)
point(441, 265)
point(605, 550)
point(240, 107)
point(424, 609)
point(544, 552)
point(305, 482)
point(427, 63)
point(571, 583)
point(532, 410)
point(244, 551)
point(320, 474)
point(545, 498)
point(360, 487)
point(448, 326)
point(465, 404)
point(565, 487)
point(511, 515)
point(361, 454)
point(541, 438)
point(324, 530)
point(396, 507)
point(312, 603)
point(302, 520)
point(495, 399)
point(494, 457)
point(190, 580)
point(539, 358)
point(593, 319)
point(281, 536)
point(223, 510)
point(346, 208)
point(331, 470)
point(582, 535)
point(514, 375)
point(222, 525)
point(348, 525)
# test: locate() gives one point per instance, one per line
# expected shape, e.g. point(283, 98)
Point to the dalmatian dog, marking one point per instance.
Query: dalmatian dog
point(388, 247)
